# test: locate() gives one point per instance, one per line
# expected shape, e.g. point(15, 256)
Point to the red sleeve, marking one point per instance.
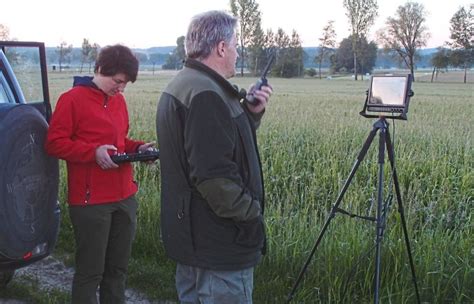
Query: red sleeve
point(131, 146)
point(59, 142)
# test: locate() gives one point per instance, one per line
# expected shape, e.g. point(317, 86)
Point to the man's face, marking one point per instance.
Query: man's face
point(231, 57)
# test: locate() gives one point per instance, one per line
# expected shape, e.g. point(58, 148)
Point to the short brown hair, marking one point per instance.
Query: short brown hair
point(117, 59)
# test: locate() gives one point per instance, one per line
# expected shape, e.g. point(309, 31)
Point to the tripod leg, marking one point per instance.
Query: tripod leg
point(335, 207)
point(380, 221)
point(391, 157)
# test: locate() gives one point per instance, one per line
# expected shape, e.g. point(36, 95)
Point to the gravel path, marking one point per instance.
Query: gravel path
point(50, 273)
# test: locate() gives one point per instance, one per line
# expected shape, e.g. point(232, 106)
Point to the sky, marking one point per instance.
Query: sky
point(149, 23)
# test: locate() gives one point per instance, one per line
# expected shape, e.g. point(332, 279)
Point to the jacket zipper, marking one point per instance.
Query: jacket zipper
point(88, 191)
point(88, 195)
point(106, 102)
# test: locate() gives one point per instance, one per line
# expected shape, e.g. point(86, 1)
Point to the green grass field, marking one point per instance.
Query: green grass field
point(310, 137)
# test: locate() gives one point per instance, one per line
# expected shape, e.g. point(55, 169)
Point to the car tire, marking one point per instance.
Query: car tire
point(29, 178)
point(6, 277)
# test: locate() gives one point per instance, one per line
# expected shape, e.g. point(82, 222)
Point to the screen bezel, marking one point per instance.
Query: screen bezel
point(392, 110)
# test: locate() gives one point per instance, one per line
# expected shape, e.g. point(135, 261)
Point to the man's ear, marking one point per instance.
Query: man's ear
point(221, 49)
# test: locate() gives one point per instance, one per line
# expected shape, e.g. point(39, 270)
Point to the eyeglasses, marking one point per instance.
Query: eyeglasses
point(119, 81)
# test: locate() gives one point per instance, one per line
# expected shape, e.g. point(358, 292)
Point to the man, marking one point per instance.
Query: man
point(211, 180)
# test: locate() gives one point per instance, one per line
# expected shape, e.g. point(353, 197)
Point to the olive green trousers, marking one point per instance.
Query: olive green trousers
point(103, 235)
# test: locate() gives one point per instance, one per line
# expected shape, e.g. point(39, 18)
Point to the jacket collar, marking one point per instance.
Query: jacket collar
point(197, 65)
point(84, 81)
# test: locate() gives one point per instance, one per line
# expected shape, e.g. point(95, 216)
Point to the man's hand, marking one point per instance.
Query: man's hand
point(262, 96)
point(102, 157)
point(147, 147)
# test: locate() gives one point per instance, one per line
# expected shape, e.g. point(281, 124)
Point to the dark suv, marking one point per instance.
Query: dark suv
point(29, 178)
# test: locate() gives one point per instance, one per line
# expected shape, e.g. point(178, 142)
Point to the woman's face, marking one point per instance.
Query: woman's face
point(112, 85)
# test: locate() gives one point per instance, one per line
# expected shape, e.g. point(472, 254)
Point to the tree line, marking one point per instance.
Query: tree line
point(401, 39)
point(89, 52)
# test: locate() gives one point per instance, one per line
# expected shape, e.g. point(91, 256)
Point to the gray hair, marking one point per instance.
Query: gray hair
point(206, 30)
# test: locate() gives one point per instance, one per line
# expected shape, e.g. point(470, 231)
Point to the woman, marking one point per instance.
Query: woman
point(90, 123)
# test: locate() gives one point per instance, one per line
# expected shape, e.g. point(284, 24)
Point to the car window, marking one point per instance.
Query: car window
point(26, 66)
point(11, 87)
point(6, 95)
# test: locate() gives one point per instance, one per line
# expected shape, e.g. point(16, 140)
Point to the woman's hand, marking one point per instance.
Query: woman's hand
point(102, 157)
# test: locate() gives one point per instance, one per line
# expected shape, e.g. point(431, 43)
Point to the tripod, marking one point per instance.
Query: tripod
point(380, 126)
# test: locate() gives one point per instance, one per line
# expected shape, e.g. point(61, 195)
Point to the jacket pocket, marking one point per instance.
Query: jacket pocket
point(250, 234)
point(176, 224)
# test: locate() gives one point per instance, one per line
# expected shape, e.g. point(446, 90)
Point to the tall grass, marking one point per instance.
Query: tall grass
point(308, 141)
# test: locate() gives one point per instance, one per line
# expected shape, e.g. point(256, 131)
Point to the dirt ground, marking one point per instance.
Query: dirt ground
point(51, 273)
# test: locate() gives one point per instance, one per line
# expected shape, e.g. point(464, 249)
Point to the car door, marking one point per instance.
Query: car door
point(29, 178)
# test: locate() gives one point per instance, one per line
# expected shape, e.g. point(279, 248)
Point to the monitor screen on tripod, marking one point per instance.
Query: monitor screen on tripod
point(388, 95)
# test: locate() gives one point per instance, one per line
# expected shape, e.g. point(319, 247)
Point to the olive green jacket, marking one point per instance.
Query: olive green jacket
point(211, 179)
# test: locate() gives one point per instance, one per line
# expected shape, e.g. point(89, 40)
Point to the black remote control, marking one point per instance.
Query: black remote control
point(133, 157)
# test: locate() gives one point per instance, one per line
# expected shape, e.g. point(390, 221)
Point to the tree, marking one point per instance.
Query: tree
point(85, 52)
point(180, 51)
point(156, 58)
point(93, 55)
point(141, 57)
point(440, 60)
point(343, 59)
point(289, 62)
point(250, 24)
point(326, 45)
point(270, 39)
point(361, 14)
point(405, 33)
point(261, 50)
point(63, 51)
point(462, 41)
point(296, 55)
point(457, 59)
point(4, 32)
point(282, 43)
point(367, 57)
point(176, 58)
point(256, 51)
point(12, 55)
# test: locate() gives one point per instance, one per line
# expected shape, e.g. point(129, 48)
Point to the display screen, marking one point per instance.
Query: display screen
point(388, 90)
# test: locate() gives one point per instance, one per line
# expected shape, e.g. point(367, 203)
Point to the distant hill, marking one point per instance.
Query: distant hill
point(382, 59)
point(428, 51)
point(157, 49)
point(161, 53)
